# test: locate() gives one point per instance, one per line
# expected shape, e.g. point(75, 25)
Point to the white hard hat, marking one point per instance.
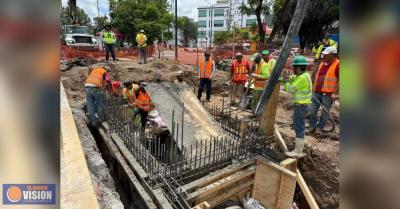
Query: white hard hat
point(330, 50)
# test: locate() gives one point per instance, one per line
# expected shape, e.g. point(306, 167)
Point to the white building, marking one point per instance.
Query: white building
point(221, 17)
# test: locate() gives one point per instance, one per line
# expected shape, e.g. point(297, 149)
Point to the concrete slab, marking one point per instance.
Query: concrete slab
point(198, 124)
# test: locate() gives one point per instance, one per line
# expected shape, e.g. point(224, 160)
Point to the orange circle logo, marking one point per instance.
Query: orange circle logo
point(14, 194)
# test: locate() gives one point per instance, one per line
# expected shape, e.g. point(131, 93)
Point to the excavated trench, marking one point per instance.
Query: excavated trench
point(121, 179)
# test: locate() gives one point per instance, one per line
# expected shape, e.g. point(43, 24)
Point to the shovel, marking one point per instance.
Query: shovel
point(244, 101)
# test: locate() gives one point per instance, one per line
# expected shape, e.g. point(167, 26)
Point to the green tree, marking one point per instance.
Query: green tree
point(81, 17)
point(320, 16)
point(99, 22)
point(258, 8)
point(222, 37)
point(129, 16)
point(188, 28)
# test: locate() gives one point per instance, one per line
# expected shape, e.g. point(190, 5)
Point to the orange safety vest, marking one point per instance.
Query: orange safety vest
point(96, 77)
point(331, 80)
point(206, 71)
point(239, 71)
point(258, 82)
point(143, 101)
point(131, 97)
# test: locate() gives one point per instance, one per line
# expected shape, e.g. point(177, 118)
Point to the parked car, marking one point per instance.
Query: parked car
point(292, 54)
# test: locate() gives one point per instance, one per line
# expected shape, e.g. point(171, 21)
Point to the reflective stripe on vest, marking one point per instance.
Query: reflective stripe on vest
point(239, 71)
point(301, 88)
point(143, 101)
point(258, 82)
point(109, 37)
point(330, 80)
point(96, 77)
point(206, 71)
point(304, 94)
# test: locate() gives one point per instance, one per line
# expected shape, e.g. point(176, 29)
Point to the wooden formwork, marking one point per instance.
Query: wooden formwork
point(269, 183)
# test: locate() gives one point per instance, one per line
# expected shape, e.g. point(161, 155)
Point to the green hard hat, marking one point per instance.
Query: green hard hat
point(265, 52)
point(299, 60)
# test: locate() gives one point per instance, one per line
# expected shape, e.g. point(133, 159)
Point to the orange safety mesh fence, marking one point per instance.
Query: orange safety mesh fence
point(69, 52)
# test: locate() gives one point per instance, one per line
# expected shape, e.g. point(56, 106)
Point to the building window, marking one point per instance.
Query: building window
point(202, 13)
point(218, 23)
point(202, 34)
point(219, 12)
point(250, 22)
point(202, 24)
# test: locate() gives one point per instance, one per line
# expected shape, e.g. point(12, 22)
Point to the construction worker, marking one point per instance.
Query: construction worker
point(300, 85)
point(239, 70)
point(206, 71)
point(108, 38)
point(326, 88)
point(144, 104)
point(268, 59)
point(129, 93)
point(317, 49)
point(98, 78)
point(141, 41)
point(261, 74)
point(327, 42)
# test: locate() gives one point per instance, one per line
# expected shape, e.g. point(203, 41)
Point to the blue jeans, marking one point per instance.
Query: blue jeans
point(95, 104)
point(109, 49)
point(142, 55)
point(300, 112)
point(325, 100)
point(207, 83)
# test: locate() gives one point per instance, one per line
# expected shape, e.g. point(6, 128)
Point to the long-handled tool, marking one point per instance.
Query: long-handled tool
point(244, 101)
point(327, 111)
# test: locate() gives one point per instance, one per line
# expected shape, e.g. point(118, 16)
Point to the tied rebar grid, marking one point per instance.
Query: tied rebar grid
point(169, 164)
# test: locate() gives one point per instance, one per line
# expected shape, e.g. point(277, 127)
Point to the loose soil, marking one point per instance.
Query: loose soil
point(320, 167)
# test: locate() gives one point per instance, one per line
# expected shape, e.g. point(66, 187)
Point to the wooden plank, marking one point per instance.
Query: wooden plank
point(243, 129)
point(306, 191)
point(273, 185)
point(280, 140)
point(77, 188)
point(290, 164)
point(229, 193)
point(203, 205)
point(205, 192)
point(267, 122)
point(214, 177)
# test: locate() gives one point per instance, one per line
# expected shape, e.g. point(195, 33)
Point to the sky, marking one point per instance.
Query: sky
point(185, 7)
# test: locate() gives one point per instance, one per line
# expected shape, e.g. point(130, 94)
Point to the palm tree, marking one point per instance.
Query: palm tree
point(257, 7)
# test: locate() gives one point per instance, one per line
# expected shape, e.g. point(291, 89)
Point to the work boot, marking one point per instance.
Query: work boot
point(298, 149)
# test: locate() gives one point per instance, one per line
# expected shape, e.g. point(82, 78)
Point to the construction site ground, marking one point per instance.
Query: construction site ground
point(320, 167)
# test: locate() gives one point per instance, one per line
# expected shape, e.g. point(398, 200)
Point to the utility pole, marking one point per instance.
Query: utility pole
point(293, 30)
point(98, 10)
point(176, 30)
